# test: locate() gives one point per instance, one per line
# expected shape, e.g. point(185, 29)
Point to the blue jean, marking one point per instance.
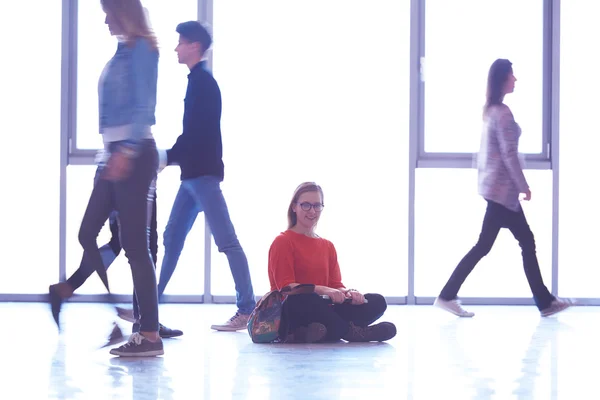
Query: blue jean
point(203, 194)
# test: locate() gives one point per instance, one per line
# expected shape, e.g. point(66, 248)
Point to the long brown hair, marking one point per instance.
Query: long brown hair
point(302, 188)
point(132, 18)
point(497, 76)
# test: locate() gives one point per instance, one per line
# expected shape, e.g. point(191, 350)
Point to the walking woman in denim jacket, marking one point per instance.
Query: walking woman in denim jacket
point(127, 100)
point(501, 181)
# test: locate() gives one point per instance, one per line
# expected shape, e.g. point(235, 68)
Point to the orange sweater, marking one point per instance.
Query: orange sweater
point(297, 258)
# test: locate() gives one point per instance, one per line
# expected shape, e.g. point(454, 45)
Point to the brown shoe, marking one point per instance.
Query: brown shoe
point(375, 333)
point(139, 346)
point(557, 306)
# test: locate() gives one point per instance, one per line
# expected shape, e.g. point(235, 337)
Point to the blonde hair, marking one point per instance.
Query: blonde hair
point(132, 17)
point(302, 188)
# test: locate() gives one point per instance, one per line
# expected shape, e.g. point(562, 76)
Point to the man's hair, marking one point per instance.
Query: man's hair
point(194, 31)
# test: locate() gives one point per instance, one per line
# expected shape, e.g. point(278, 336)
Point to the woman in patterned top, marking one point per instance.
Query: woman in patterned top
point(501, 181)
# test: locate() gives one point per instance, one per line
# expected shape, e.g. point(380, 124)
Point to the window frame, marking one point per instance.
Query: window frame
point(548, 158)
point(542, 160)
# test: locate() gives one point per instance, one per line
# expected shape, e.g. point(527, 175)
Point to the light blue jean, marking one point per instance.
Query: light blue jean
point(203, 194)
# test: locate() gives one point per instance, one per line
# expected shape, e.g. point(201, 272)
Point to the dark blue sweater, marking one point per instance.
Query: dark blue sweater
point(199, 150)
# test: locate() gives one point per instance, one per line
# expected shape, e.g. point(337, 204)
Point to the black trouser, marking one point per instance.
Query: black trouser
point(85, 270)
point(496, 217)
point(303, 309)
point(132, 199)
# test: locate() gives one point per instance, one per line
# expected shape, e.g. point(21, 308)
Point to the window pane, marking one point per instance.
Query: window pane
point(31, 142)
point(311, 108)
point(96, 47)
point(189, 276)
point(579, 144)
point(462, 39)
point(447, 227)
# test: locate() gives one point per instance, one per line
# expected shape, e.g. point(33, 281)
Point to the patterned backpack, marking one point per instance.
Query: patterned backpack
point(264, 324)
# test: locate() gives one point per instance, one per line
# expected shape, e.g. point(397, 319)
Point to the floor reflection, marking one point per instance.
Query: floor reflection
point(502, 353)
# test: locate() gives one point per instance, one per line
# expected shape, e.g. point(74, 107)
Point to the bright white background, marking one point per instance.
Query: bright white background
point(304, 101)
point(318, 93)
point(579, 271)
point(30, 96)
point(462, 40)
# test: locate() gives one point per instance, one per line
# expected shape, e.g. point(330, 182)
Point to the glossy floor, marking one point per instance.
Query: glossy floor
point(502, 353)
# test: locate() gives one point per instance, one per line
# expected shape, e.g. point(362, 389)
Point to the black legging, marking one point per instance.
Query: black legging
point(497, 217)
point(85, 270)
point(303, 309)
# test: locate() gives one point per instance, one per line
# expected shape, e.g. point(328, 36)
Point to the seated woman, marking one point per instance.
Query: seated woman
point(299, 256)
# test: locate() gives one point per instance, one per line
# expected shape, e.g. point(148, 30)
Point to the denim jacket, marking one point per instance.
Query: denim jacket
point(127, 90)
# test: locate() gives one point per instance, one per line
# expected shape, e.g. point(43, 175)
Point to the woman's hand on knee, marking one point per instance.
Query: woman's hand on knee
point(336, 296)
point(357, 297)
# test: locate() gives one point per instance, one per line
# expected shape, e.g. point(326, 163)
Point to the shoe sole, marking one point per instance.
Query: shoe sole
point(166, 336)
point(227, 329)
point(557, 310)
point(151, 353)
point(391, 333)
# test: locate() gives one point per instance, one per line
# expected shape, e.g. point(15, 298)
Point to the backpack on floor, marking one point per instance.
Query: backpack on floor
point(264, 323)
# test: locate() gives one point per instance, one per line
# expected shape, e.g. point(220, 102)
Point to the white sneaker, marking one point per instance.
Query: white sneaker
point(453, 306)
point(557, 306)
point(238, 322)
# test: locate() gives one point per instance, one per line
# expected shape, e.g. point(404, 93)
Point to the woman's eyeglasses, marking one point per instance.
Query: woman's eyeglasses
point(307, 206)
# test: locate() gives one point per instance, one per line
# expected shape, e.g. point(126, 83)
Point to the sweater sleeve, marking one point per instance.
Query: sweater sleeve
point(335, 275)
point(281, 262)
point(204, 98)
point(508, 140)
